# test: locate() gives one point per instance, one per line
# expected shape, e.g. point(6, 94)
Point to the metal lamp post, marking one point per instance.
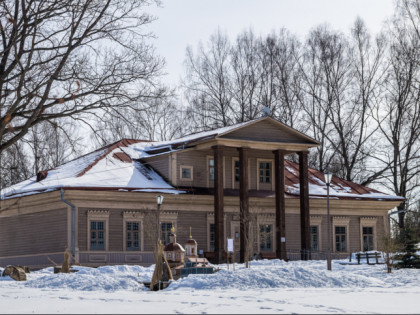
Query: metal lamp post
point(328, 177)
point(159, 200)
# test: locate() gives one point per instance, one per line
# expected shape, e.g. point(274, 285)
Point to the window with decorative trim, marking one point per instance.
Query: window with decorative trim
point(132, 235)
point(315, 226)
point(340, 239)
point(368, 233)
point(97, 235)
point(133, 231)
point(367, 236)
point(341, 227)
point(186, 172)
point(98, 227)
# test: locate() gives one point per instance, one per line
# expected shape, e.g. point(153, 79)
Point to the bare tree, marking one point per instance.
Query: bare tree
point(65, 58)
point(399, 116)
point(208, 82)
point(154, 120)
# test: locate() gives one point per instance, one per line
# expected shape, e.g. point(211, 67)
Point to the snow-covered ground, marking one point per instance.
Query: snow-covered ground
point(269, 286)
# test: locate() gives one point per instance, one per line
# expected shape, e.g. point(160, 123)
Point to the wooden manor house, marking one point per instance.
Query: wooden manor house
point(232, 182)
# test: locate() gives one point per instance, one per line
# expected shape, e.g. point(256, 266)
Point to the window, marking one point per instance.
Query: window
point(265, 172)
point(236, 171)
point(367, 233)
point(97, 235)
point(212, 237)
point(97, 229)
point(133, 230)
point(340, 239)
point(266, 237)
point(314, 238)
point(165, 233)
point(367, 238)
point(211, 168)
point(186, 172)
point(132, 236)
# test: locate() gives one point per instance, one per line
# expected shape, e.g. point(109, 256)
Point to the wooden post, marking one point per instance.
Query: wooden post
point(304, 205)
point(218, 204)
point(280, 206)
point(243, 204)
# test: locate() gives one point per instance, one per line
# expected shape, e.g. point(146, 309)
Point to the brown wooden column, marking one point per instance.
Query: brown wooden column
point(243, 203)
point(280, 205)
point(219, 244)
point(304, 205)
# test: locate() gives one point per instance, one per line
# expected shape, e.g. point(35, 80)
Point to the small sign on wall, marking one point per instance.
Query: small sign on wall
point(283, 240)
point(230, 244)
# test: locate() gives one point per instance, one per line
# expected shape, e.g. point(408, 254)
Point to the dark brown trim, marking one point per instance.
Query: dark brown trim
point(304, 205)
point(243, 203)
point(219, 247)
point(280, 205)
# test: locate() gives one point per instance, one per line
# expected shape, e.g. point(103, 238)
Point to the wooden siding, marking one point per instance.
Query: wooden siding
point(160, 164)
point(43, 232)
point(265, 131)
point(198, 160)
point(198, 224)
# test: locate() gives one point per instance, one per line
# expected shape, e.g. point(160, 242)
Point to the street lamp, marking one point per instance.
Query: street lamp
point(159, 200)
point(328, 177)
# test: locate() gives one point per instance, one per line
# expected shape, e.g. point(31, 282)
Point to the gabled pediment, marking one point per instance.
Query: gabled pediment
point(268, 129)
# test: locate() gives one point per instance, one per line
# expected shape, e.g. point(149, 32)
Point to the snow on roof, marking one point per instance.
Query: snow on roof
point(118, 166)
point(339, 188)
point(109, 167)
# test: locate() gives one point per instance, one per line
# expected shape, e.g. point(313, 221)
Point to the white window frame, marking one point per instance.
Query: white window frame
point(98, 215)
point(272, 175)
point(191, 168)
point(133, 216)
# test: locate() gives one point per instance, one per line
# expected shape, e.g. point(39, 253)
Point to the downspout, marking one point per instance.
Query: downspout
point(73, 224)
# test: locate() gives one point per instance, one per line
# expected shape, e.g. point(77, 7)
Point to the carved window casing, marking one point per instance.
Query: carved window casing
point(340, 229)
point(316, 232)
point(368, 232)
point(94, 217)
point(137, 218)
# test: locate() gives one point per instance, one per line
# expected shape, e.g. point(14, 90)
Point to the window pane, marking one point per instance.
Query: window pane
point(186, 173)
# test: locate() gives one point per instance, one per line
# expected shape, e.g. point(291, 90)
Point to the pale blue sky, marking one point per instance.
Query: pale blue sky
point(186, 22)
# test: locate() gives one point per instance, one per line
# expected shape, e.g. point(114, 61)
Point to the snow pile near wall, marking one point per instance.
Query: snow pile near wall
point(263, 274)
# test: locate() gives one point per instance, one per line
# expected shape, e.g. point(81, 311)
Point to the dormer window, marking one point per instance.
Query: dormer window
point(186, 173)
